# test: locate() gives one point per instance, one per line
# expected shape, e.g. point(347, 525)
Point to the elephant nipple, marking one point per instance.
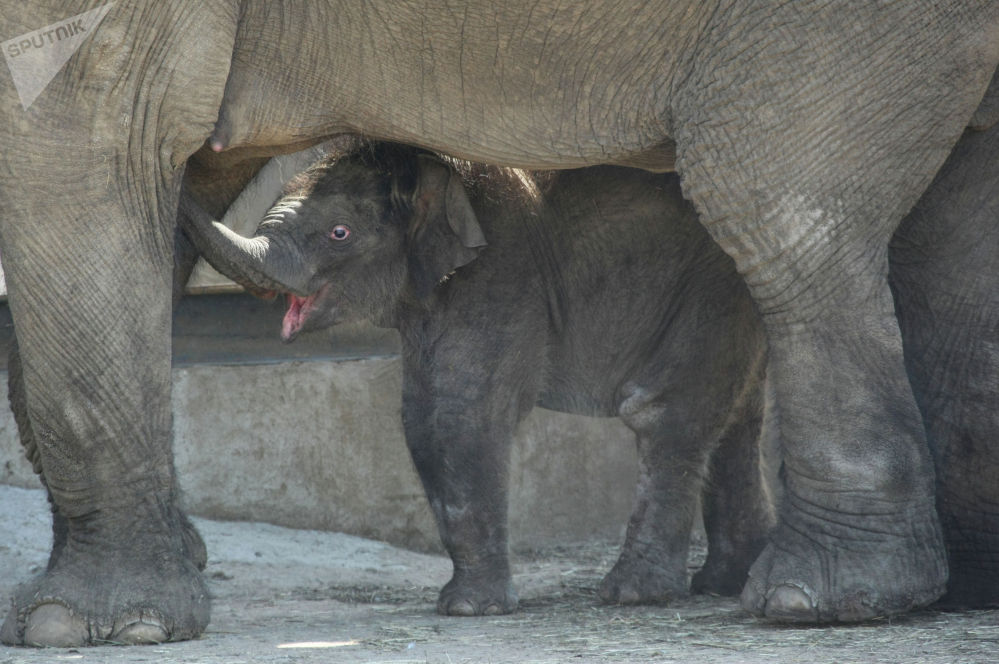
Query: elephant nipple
point(220, 137)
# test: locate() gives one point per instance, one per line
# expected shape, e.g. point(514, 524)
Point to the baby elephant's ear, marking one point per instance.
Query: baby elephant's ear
point(444, 233)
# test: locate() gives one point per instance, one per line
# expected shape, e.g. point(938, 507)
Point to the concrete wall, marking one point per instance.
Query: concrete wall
point(319, 444)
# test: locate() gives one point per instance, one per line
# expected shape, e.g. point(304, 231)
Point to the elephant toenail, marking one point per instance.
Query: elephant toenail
point(753, 601)
point(460, 608)
point(493, 610)
point(54, 626)
point(144, 631)
point(791, 603)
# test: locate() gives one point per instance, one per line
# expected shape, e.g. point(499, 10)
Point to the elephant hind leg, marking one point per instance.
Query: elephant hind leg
point(738, 499)
point(652, 565)
point(672, 458)
point(944, 275)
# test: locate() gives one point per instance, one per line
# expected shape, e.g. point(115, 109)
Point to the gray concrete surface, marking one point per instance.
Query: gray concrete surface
point(282, 596)
point(319, 444)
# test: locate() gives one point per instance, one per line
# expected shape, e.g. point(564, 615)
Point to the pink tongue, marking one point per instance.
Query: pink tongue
point(294, 318)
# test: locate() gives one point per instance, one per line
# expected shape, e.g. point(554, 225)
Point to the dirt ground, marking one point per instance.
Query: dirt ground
point(285, 595)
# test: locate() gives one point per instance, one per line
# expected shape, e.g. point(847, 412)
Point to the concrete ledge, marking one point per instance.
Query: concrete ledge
point(319, 444)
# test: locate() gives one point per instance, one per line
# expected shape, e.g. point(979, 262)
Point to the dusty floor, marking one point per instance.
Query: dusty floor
point(304, 596)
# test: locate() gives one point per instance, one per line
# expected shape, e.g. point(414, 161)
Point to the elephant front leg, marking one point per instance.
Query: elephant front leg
point(89, 190)
point(194, 546)
point(461, 448)
point(125, 568)
point(91, 383)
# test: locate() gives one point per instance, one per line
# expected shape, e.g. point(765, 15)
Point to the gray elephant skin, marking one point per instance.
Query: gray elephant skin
point(945, 276)
point(803, 133)
point(598, 295)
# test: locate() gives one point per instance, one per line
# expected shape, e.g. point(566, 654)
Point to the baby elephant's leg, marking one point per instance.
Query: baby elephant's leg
point(459, 421)
point(673, 454)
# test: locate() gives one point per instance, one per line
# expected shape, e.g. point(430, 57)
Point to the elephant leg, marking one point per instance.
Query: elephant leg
point(652, 565)
point(945, 275)
point(738, 503)
point(707, 418)
point(857, 534)
point(193, 544)
point(185, 255)
point(19, 407)
point(459, 419)
point(100, 417)
point(462, 464)
point(185, 258)
point(89, 192)
point(804, 191)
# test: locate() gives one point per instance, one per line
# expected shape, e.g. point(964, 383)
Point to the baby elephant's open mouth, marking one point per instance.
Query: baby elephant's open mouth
point(299, 310)
point(309, 313)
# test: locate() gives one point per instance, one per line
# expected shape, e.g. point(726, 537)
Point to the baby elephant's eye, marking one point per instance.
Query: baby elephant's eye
point(340, 232)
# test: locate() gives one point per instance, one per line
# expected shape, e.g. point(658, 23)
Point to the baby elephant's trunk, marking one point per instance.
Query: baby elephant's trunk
point(258, 264)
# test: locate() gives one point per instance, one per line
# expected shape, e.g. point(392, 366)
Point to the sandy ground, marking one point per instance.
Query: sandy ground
point(285, 595)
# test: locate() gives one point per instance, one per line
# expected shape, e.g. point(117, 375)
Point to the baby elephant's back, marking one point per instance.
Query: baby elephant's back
point(642, 294)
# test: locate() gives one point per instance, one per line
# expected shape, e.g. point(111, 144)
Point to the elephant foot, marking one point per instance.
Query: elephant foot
point(971, 588)
point(638, 580)
point(972, 536)
point(139, 596)
point(820, 570)
point(729, 558)
point(194, 546)
point(468, 595)
point(973, 556)
point(725, 579)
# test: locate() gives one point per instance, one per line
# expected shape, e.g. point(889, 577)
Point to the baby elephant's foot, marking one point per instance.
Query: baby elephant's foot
point(465, 595)
point(641, 581)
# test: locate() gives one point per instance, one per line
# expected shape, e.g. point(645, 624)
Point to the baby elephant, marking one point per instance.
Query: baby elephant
point(598, 294)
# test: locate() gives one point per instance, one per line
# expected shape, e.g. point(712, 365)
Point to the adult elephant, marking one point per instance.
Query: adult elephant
point(945, 276)
point(803, 132)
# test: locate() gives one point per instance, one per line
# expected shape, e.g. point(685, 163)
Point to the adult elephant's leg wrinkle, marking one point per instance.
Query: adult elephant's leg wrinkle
point(125, 571)
point(858, 536)
point(89, 276)
point(804, 193)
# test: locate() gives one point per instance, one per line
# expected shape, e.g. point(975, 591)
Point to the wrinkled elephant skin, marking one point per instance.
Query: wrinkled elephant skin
point(89, 186)
point(800, 161)
point(600, 295)
point(945, 274)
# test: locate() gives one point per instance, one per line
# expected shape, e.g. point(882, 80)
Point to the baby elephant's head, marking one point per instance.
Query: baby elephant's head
point(355, 233)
